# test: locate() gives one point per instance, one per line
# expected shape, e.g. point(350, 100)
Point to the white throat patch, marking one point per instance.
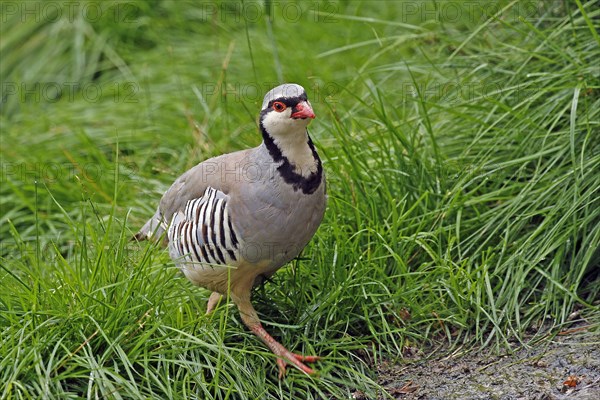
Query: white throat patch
point(290, 136)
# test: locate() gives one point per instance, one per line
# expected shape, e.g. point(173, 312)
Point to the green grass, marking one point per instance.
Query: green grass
point(462, 152)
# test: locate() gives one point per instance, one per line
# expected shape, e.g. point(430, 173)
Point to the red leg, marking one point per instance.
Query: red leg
point(213, 301)
point(286, 357)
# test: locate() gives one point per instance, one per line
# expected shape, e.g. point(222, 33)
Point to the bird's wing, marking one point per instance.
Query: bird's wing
point(220, 173)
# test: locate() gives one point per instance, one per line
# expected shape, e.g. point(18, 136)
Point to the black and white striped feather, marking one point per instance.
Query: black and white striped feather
point(203, 232)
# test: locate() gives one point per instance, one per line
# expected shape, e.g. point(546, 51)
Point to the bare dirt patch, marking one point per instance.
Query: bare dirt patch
point(566, 366)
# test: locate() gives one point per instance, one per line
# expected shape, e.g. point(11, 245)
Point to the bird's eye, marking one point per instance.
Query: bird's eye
point(279, 106)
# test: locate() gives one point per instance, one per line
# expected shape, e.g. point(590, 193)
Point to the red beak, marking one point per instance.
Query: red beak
point(303, 110)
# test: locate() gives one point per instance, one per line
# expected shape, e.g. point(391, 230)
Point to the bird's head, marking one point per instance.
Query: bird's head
point(286, 110)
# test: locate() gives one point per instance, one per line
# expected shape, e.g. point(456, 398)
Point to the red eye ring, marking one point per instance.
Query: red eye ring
point(279, 106)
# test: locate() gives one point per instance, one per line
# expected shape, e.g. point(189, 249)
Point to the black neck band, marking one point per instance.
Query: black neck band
point(308, 184)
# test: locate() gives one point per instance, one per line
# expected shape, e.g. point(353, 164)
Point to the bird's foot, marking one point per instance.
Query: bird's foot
point(285, 357)
point(297, 360)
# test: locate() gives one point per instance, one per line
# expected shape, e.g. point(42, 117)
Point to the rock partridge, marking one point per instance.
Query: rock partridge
point(233, 220)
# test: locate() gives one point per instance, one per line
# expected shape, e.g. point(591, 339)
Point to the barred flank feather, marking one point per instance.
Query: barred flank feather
point(203, 232)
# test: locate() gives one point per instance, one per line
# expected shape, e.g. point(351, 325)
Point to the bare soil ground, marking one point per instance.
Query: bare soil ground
point(565, 366)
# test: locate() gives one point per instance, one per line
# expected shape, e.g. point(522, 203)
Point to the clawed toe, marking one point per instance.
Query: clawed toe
point(298, 361)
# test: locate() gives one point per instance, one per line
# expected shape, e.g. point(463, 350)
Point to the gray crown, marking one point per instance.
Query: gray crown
point(288, 90)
